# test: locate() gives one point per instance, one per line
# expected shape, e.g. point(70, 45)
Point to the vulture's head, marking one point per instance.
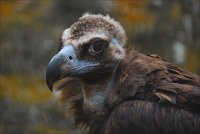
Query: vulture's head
point(91, 48)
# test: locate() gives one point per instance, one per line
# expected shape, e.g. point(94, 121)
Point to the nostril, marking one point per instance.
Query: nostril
point(70, 58)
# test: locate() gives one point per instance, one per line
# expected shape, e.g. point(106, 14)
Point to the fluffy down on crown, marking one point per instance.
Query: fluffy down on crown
point(90, 24)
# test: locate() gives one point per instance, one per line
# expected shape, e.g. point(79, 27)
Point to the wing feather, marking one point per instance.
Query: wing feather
point(143, 117)
point(175, 85)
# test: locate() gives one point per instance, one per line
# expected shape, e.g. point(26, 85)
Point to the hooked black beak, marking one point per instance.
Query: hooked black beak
point(65, 64)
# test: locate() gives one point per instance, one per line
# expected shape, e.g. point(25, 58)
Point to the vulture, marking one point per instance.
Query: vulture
point(113, 89)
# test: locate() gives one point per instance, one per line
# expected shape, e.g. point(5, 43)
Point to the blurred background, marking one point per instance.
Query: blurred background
point(29, 37)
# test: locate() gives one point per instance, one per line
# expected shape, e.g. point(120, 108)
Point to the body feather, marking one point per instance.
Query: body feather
point(154, 96)
point(113, 90)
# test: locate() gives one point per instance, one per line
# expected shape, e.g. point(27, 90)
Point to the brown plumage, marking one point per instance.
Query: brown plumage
point(113, 90)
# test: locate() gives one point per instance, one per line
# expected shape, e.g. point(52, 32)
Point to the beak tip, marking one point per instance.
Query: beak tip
point(49, 83)
point(52, 74)
point(50, 86)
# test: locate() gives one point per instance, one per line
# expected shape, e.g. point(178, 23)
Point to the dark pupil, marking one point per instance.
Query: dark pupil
point(97, 46)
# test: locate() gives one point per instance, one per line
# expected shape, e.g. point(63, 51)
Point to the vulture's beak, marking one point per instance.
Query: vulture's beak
point(65, 64)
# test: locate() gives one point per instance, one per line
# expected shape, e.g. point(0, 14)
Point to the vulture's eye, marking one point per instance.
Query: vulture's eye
point(96, 47)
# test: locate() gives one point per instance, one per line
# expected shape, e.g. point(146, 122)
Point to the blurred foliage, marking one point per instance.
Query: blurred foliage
point(29, 37)
point(193, 61)
point(155, 26)
point(135, 12)
point(32, 89)
point(44, 129)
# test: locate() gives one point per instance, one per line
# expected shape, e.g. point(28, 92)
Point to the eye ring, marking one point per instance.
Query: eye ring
point(96, 47)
